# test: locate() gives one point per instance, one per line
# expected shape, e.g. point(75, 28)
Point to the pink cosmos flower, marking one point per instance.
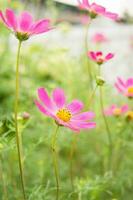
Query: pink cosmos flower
point(99, 58)
point(64, 114)
point(95, 9)
point(23, 26)
point(99, 38)
point(125, 87)
point(116, 111)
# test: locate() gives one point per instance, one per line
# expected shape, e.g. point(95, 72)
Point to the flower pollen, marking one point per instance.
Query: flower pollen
point(64, 115)
point(117, 111)
point(130, 90)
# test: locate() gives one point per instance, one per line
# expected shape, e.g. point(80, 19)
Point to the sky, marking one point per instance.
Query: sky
point(118, 6)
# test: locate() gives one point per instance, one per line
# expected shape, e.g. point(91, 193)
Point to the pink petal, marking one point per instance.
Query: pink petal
point(42, 109)
point(25, 21)
point(11, 19)
point(121, 82)
point(124, 108)
point(42, 93)
point(72, 127)
point(99, 53)
point(75, 106)
point(113, 16)
point(129, 82)
point(109, 111)
point(109, 56)
point(83, 4)
point(86, 2)
point(92, 55)
point(84, 116)
point(83, 125)
point(4, 20)
point(40, 26)
point(99, 9)
point(119, 88)
point(67, 124)
point(59, 97)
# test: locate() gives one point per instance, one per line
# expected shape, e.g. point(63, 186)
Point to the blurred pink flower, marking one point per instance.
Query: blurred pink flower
point(125, 87)
point(95, 9)
point(23, 26)
point(99, 38)
point(64, 114)
point(116, 111)
point(99, 58)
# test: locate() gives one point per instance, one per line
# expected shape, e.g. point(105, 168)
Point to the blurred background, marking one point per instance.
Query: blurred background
point(58, 59)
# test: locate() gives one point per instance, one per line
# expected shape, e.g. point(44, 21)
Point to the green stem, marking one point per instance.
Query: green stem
point(55, 162)
point(86, 51)
point(16, 122)
point(72, 151)
point(106, 125)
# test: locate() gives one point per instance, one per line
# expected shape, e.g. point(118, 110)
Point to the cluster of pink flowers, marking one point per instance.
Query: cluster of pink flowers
point(95, 10)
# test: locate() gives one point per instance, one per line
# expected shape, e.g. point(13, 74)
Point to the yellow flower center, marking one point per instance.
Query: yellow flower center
point(64, 115)
point(129, 114)
point(117, 111)
point(130, 90)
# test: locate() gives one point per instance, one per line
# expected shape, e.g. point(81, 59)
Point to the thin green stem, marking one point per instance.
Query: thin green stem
point(16, 122)
point(106, 124)
point(72, 151)
point(55, 162)
point(86, 51)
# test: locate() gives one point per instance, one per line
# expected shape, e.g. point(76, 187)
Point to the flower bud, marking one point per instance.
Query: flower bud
point(100, 81)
